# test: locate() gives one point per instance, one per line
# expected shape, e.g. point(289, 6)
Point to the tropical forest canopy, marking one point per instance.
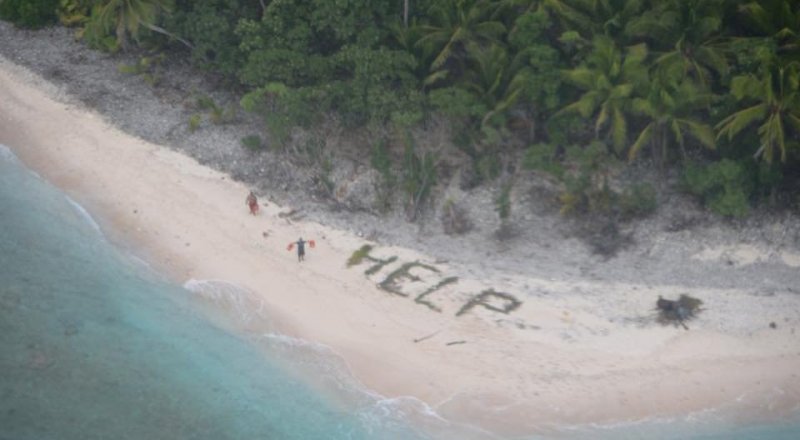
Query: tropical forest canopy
point(708, 87)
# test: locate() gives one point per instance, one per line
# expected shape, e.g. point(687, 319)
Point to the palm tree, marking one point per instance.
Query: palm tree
point(408, 39)
point(126, 17)
point(776, 93)
point(609, 80)
point(456, 28)
point(596, 17)
point(670, 108)
point(496, 80)
point(686, 33)
point(778, 19)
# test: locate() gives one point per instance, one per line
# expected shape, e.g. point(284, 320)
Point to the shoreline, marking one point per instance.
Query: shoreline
point(554, 359)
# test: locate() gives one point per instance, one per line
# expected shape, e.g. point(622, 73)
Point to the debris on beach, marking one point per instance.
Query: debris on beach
point(678, 311)
point(416, 340)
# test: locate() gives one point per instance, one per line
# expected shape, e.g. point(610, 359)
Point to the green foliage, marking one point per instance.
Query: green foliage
point(29, 13)
point(194, 122)
point(217, 114)
point(358, 256)
point(586, 185)
point(724, 186)
point(457, 103)
point(585, 174)
point(124, 19)
point(453, 29)
point(326, 54)
point(147, 67)
point(211, 27)
point(543, 157)
point(775, 97)
point(253, 142)
point(637, 201)
point(282, 108)
point(609, 18)
point(419, 177)
point(609, 80)
point(777, 19)
point(74, 12)
point(503, 201)
point(670, 106)
point(664, 80)
point(538, 60)
point(688, 33)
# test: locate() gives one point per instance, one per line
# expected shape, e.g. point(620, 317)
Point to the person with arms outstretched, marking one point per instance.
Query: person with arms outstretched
point(301, 248)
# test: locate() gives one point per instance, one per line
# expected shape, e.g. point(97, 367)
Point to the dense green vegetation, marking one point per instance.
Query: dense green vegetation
point(578, 89)
point(29, 13)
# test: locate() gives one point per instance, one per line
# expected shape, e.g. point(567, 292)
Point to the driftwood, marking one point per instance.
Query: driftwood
point(678, 311)
point(427, 336)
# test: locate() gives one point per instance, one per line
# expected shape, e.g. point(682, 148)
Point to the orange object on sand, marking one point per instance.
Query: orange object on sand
point(290, 247)
point(312, 243)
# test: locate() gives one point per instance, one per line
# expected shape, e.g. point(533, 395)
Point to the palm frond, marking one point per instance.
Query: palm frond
point(677, 132)
point(733, 124)
point(794, 120)
point(619, 128)
point(747, 86)
point(643, 107)
point(772, 135)
point(641, 140)
point(583, 77)
point(714, 59)
point(602, 118)
point(584, 106)
point(621, 91)
point(435, 77)
point(702, 132)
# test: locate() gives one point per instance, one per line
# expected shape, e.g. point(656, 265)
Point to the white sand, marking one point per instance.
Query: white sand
point(572, 353)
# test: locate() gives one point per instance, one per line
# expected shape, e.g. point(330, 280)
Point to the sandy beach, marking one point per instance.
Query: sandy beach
point(515, 353)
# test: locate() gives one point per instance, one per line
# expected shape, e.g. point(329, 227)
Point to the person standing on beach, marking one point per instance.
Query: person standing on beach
point(301, 248)
point(252, 202)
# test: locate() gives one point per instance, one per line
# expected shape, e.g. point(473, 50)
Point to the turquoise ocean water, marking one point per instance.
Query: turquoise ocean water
point(94, 344)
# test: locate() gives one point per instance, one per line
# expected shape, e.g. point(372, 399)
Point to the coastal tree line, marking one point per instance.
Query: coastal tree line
point(577, 89)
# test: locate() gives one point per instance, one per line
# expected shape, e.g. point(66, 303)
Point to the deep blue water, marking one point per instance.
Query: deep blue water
point(96, 345)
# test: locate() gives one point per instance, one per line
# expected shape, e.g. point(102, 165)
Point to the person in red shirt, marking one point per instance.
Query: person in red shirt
point(252, 202)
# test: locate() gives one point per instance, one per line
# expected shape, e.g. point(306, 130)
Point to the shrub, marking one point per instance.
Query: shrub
point(725, 186)
point(194, 122)
point(543, 157)
point(29, 13)
point(503, 201)
point(419, 177)
point(146, 67)
point(252, 142)
point(586, 188)
point(639, 200)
